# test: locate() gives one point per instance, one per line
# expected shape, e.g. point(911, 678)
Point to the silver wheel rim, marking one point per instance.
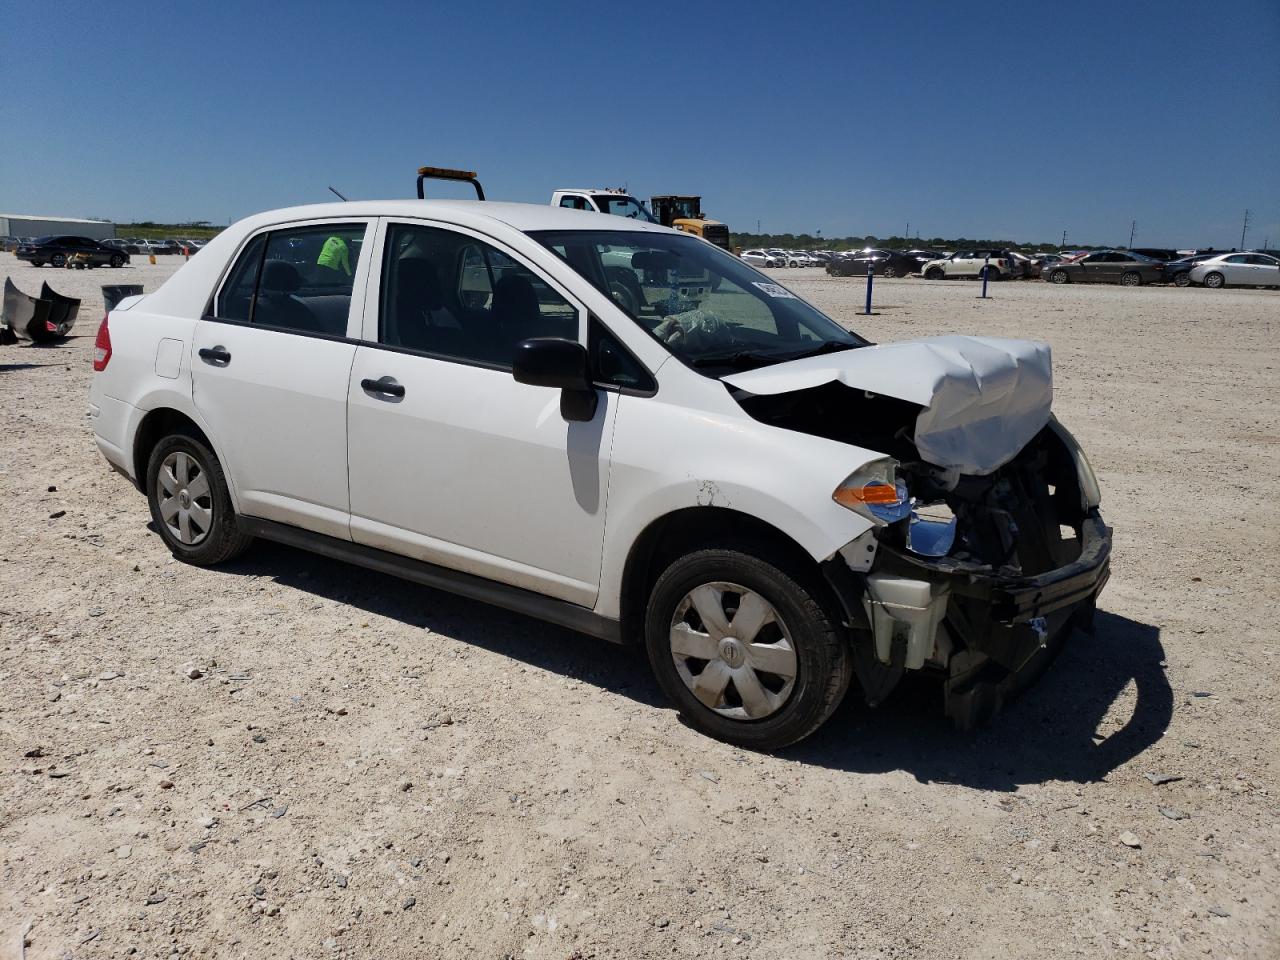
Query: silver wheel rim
point(1059, 277)
point(733, 651)
point(186, 502)
point(1213, 280)
point(1129, 280)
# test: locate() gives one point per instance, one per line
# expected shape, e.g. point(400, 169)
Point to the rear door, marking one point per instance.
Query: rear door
point(452, 461)
point(271, 366)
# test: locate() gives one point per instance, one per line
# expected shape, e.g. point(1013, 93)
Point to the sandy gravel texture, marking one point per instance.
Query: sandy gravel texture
point(367, 768)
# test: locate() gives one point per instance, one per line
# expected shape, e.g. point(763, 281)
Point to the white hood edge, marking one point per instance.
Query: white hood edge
point(984, 398)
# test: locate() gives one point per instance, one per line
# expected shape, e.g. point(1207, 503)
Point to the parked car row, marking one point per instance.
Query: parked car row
point(1244, 268)
point(1127, 267)
point(159, 247)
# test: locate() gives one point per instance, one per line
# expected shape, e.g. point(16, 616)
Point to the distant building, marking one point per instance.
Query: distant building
point(21, 225)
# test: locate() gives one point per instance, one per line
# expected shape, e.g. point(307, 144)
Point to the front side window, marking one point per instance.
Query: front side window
point(1237, 259)
point(708, 307)
point(458, 298)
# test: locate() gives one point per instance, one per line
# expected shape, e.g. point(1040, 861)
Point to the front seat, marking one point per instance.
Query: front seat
point(515, 313)
point(422, 322)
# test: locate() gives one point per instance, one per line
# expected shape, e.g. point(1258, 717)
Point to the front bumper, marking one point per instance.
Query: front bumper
point(992, 634)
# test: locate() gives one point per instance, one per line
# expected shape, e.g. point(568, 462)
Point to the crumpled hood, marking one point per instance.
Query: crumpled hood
point(983, 398)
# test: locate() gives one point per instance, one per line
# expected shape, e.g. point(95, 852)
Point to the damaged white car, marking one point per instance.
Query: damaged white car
point(618, 428)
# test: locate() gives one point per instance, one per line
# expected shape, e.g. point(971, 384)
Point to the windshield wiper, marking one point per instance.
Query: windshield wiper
point(740, 359)
point(827, 346)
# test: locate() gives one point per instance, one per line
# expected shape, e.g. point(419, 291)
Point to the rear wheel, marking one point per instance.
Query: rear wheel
point(1131, 279)
point(889, 271)
point(190, 504)
point(117, 260)
point(58, 260)
point(746, 651)
point(934, 273)
point(1060, 276)
point(1215, 281)
point(1182, 280)
point(37, 263)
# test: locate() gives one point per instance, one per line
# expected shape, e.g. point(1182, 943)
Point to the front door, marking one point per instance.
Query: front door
point(451, 460)
point(270, 372)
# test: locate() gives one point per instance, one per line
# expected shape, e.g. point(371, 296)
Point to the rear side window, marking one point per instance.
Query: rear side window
point(296, 279)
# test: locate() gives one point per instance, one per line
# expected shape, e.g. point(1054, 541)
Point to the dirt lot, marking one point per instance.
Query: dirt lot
point(367, 768)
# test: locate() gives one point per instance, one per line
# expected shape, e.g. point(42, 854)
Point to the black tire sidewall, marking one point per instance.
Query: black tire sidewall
point(822, 654)
point(224, 539)
point(54, 260)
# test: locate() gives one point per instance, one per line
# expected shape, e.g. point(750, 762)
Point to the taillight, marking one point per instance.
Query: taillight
point(102, 347)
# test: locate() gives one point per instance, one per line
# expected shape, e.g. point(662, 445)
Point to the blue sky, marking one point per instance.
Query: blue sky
point(975, 120)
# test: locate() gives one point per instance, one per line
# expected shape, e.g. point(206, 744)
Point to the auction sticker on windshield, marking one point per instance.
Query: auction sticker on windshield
point(773, 290)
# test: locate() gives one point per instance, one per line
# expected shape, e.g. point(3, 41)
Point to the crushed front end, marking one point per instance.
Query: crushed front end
point(977, 578)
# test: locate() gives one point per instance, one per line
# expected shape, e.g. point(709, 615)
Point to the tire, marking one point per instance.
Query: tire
point(117, 261)
point(37, 263)
point(1060, 276)
point(934, 273)
point(786, 709)
point(1215, 280)
point(889, 271)
point(1182, 279)
point(1131, 279)
point(58, 260)
point(221, 539)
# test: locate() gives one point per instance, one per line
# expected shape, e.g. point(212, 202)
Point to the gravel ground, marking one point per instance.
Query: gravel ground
point(366, 768)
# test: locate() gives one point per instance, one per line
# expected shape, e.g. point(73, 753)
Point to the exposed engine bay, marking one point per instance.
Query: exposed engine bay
point(982, 575)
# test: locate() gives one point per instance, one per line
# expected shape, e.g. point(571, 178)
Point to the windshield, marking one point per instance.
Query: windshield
point(707, 307)
point(622, 207)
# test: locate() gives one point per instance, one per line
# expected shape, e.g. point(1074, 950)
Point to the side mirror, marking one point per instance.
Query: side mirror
point(562, 365)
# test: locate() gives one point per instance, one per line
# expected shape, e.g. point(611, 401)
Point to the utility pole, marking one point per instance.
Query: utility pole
point(1064, 239)
point(1133, 228)
point(908, 233)
point(1244, 228)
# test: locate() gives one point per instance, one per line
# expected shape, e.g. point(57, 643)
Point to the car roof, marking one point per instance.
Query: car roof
point(522, 216)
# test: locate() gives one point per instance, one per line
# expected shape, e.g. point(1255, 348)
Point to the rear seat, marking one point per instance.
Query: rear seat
point(329, 310)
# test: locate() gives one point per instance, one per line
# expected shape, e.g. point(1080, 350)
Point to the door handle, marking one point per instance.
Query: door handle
point(217, 356)
point(386, 387)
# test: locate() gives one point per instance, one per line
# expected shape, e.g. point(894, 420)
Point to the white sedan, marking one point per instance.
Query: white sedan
point(555, 412)
point(1237, 270)
point(760, 258)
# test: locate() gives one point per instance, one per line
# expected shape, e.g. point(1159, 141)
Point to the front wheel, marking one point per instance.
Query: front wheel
point(190, 504)
point(117, 261)
point(1131, 279)
point(1215, 281)
point(746, 651)
point(1182, 280)
point(1059, 276)
point(934, 273)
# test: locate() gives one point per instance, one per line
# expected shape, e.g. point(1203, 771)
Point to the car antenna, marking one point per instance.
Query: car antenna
point(337, 194)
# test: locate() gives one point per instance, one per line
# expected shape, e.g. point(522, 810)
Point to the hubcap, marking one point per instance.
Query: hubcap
point(186, 502)
point(733, 651)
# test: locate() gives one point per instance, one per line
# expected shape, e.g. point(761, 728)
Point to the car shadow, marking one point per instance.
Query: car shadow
point(1059, 729)
point(10, 367)
point(1054, 731)
point(618, 669)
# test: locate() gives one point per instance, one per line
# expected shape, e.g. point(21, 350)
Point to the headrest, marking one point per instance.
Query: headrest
point(280, 276)
point(513, 295)
point(418, 283)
